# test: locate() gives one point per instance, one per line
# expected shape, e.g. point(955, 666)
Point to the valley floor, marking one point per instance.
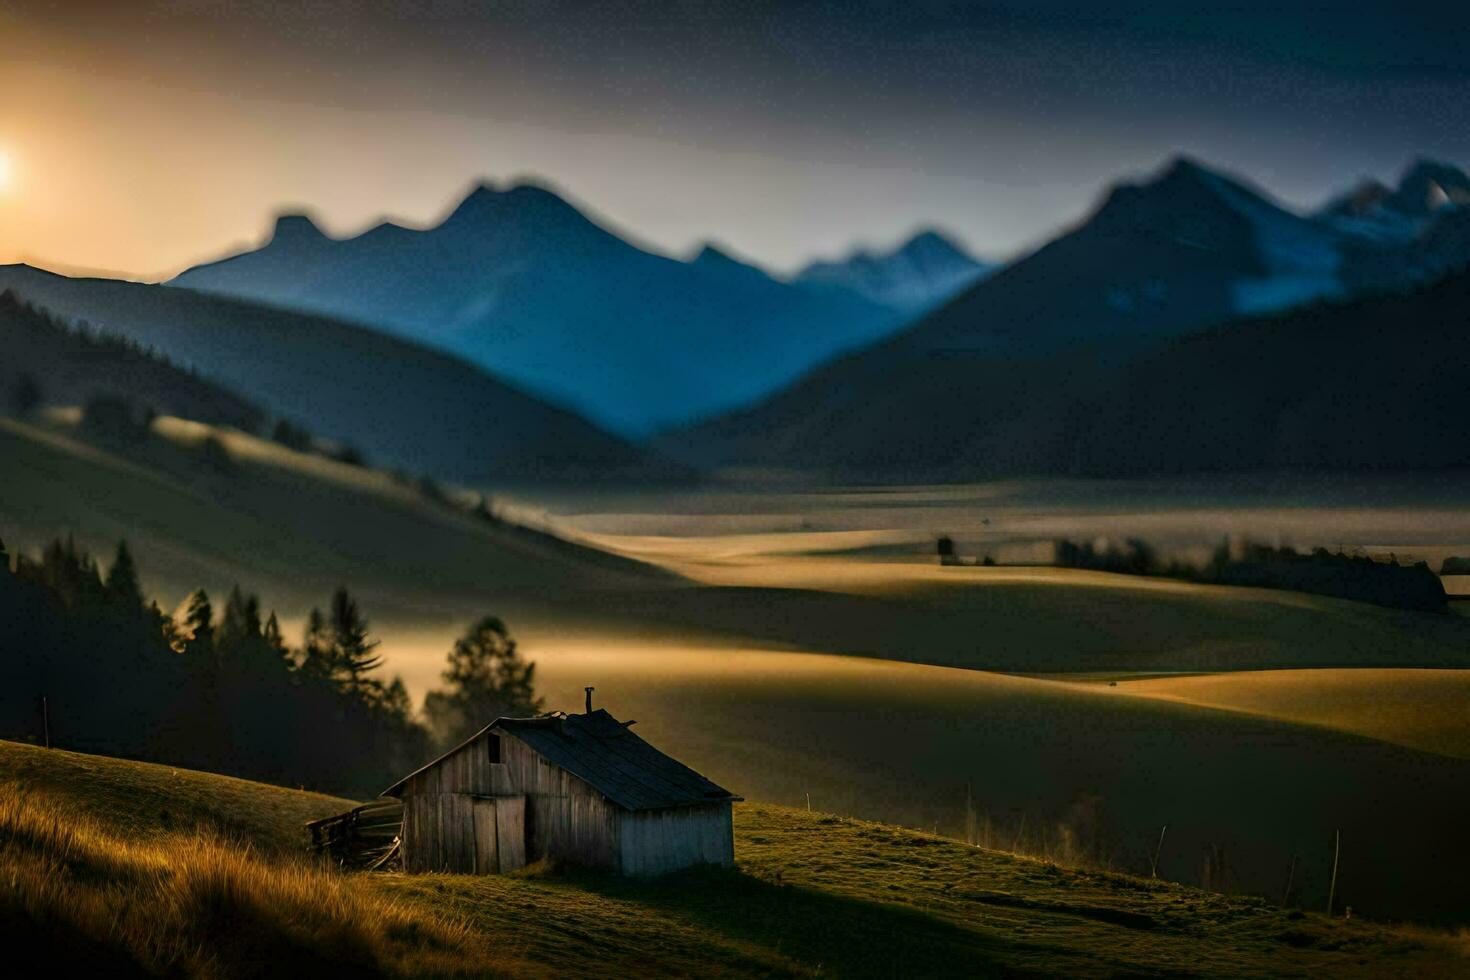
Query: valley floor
point(203, 860)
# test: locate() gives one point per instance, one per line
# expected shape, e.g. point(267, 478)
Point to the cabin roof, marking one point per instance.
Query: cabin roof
point(605, 754)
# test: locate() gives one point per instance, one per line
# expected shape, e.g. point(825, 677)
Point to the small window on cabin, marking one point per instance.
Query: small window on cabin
point(492, 747)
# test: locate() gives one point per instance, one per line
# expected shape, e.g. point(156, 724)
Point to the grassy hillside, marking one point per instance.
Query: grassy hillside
point(147, 802)
point(1085, 774)
point(686, 660)
point(106, 880)
point(66, 366)
point(127, 869)
point(1418, 708)
point(274, 516)
point(295, 526)
point(1044, 619)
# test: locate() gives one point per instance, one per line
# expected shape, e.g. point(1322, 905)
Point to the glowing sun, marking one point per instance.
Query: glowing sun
point(4, 170)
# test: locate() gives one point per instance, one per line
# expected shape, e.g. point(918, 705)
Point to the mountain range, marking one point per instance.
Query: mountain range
point(524, 284)
point(1000, 371)
point(971, 388)
point(1375, 382)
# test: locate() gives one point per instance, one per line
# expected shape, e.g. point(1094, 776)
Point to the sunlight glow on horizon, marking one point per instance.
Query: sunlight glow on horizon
point(6, 170)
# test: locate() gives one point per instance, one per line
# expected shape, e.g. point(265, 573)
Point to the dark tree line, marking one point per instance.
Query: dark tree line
point(1321, 572)
point(223, 690)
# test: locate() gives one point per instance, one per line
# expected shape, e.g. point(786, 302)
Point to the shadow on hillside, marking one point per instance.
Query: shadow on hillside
point(835, 934)
point(1042, 628)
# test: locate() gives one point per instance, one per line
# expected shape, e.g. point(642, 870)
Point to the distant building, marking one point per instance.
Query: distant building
point(576, 788)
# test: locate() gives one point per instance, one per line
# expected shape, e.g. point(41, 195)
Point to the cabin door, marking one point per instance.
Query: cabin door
point(500, 834)
point(510, 826)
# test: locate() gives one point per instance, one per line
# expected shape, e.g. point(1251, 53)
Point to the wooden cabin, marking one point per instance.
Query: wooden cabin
point(582, 789)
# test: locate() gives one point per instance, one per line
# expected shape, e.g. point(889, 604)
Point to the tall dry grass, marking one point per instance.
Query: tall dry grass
point(75, 896)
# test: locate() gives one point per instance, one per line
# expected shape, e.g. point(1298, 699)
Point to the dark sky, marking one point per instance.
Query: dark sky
point(173, 130)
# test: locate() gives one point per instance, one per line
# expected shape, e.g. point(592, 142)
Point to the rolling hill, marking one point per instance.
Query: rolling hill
point(291, 525)
point(48, 362)
point(405, 405)
point(167, 870)
point(1425, 711)
point(520, 282)
point(710, 663)
point(294, 526)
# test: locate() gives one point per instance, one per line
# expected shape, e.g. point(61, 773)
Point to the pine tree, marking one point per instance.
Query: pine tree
point(239, 627)
point(396, 701)
point(316, 648)
point(352, 650)
point(199, 627)
point(121, 585)
point(166, 627)
point(71, 574)
point(271, 634)
point(487, 678)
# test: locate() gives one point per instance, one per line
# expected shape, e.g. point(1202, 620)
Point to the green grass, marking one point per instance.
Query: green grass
point(906, 744)
point(112, 868)
point(144, 801)
point(1414, 707)
point(99, 877)
point(822, 895)
point(288, 525)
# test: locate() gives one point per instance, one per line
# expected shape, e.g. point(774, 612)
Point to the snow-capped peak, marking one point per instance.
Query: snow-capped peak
point(927, 268)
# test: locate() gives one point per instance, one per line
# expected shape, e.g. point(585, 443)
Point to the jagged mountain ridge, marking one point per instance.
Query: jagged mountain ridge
point(1187, 249)
point(913, 277)
point(523, 283)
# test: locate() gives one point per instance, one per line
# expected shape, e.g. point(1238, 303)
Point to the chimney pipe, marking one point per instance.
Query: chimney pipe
point(589, 691)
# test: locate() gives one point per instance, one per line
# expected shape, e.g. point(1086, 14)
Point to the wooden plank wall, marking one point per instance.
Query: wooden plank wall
point(654, 842)
point(567, 818)
point(487, 849)
point(438, 832)
point(510, 832)
point(467, 771)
